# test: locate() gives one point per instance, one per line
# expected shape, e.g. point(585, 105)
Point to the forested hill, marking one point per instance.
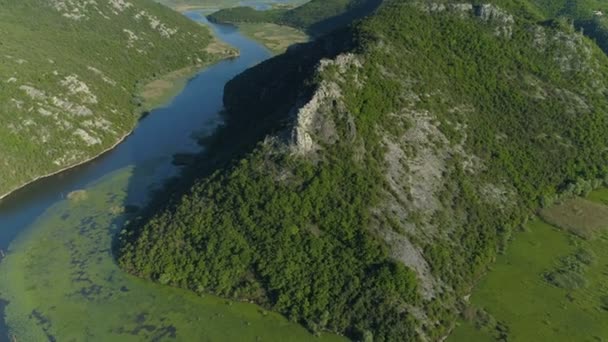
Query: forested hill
point(69, 72)
point(316, 17)
point(372, 176)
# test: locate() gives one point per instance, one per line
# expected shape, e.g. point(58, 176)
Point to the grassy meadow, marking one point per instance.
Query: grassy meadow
point(276, 38)
point(551, 285)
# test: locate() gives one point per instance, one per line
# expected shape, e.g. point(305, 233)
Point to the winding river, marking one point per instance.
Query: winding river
point(58, 279)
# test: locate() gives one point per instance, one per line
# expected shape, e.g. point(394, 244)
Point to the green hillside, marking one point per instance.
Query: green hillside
point(316, 17)
point(69, 74)
point(366, 189)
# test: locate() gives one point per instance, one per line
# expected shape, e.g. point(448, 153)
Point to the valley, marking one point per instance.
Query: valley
point(277, 38)
point(369, 194)
point(59, 281)
point(86, 296)
point(290, 170)
point(70, 82)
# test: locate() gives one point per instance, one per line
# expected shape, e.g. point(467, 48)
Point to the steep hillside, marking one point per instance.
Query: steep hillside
point(316, 17)
point(69, 74)
point(590, 16)
point(368, 187)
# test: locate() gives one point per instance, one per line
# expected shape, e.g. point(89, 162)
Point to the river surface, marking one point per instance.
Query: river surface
point(59, 281)
point(167, 131)
point(263, 5)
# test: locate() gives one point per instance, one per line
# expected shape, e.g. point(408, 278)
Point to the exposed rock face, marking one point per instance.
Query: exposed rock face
point(73, 9)
point(439, 7)
point(307, 118)
point(83, 10)
point(78, 88)
point(569, 50)
point(308, 122)
point(503, 20)
point(574, 55)
point(486, 12)
point(417, 162)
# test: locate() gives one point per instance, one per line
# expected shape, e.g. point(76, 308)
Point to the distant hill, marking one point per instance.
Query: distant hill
point(69, 74)
point(185, 4)
point(364, 182)
point(182, 5)
point(589, 15)
point(316, 17)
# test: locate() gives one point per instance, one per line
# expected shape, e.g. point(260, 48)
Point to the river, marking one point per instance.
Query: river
point(59, 281)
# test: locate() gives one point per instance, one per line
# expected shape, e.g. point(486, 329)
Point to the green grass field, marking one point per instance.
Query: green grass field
point(276, 38)
point(62, 282)
point(529, 307)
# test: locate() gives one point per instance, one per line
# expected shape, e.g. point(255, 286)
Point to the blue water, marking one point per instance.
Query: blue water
point(165, 132)
point(263, 5)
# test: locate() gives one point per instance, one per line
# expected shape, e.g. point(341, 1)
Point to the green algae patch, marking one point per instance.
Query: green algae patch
point(62, 284)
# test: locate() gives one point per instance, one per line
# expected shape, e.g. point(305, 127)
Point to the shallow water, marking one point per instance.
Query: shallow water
point(59, 276)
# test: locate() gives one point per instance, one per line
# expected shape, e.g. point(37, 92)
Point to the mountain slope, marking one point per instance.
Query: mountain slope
point(69, 74)
point(370, 194)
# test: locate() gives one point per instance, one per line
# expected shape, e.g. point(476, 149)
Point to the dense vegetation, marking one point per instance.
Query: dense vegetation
point(442, 131)
point(316, 17)
point(70, 72)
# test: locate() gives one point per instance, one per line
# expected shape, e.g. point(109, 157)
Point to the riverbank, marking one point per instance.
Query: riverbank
point(67, 168)
point(126, 308)
point(86, 296)
point(159, 91)
point(155, 94)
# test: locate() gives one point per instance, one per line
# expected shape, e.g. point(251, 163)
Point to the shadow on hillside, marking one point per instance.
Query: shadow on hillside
point(258, 103)
point(357, 12)
point(596, 31)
